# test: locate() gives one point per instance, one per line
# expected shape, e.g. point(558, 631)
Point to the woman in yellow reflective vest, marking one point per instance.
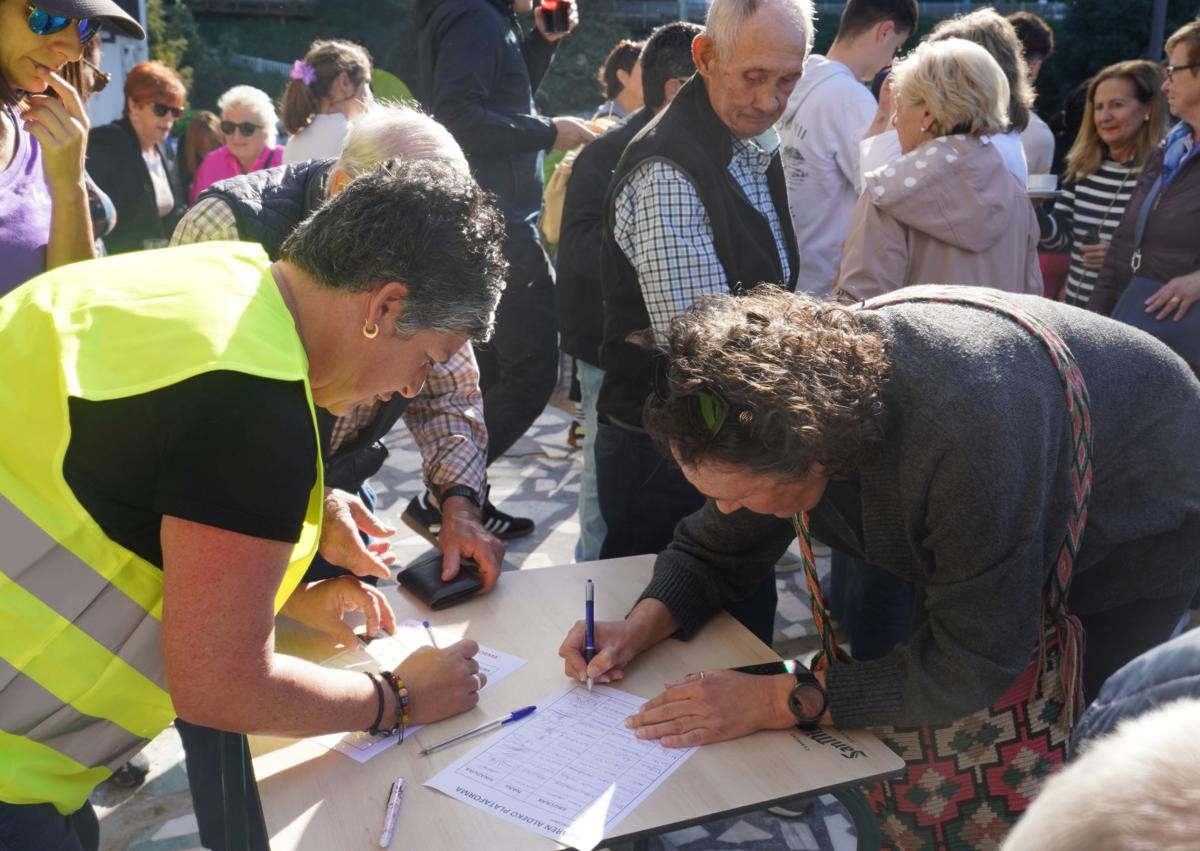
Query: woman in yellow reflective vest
point(161, 489)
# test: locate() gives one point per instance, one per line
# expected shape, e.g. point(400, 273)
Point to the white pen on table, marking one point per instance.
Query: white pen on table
point(482, 728)
point(429, 632)
point(391, 812)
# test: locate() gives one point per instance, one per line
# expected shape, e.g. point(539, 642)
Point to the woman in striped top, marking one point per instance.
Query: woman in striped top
point(1128, 118)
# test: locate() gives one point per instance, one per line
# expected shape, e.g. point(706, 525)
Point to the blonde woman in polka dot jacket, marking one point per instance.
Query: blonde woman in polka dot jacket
point(947, 211)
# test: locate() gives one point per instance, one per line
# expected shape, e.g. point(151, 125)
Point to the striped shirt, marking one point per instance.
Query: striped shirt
point(1094, 204)
point(445, 418)
point(660, 224)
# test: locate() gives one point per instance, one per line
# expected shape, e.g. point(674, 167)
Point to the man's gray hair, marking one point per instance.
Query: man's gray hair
point(422, 223)
point(389, 130)
point(726, 18)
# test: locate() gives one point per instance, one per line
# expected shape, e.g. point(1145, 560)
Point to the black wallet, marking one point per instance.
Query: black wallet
point(424, 579)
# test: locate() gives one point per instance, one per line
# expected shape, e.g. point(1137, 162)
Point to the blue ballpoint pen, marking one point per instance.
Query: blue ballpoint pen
point(482, 728)
point(589, 649)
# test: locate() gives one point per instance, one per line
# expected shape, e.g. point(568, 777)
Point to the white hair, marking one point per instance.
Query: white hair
point(1137, 789)
point(959, 82)
point(256, 101)
point(394, 131)
point(726, 17)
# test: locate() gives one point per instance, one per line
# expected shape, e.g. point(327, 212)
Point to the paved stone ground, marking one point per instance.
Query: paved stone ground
point(538, 478)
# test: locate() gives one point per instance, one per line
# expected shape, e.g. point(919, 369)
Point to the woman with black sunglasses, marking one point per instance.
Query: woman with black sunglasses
point(44, 215)
point(129, 160)
point(248, 123)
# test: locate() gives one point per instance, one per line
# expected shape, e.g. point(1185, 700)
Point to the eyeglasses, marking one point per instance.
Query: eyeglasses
point(245, 128)
point(714, 409)
point(161, 110)
point(1170, 70)
point(100, 78)
point(43, 23)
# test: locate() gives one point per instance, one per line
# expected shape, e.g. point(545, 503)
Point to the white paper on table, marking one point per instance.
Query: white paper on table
point(569, 772)
point(387, 652)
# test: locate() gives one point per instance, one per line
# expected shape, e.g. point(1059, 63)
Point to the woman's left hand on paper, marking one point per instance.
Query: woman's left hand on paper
point(715, 707)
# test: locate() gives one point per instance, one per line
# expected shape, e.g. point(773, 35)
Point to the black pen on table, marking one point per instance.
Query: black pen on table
point(589, 648)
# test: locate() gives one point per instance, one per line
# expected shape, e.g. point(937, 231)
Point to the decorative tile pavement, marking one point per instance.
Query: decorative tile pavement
point(538, 478)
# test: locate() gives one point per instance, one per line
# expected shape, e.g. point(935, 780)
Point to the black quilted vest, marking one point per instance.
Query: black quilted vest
point(689, 136)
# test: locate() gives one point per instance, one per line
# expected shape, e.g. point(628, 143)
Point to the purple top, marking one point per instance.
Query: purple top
point(24, 212)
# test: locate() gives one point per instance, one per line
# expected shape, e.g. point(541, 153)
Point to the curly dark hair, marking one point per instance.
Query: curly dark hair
point(421, 222)
point(808, 372)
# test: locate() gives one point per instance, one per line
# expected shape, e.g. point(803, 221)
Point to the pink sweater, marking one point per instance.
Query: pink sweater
point(221, 163)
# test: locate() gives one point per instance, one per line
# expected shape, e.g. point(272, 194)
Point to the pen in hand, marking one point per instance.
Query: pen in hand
point(390, 812)
point(429, 632)
point(589, 649)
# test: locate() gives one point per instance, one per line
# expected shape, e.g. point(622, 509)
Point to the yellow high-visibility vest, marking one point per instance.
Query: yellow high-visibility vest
point(82, 683)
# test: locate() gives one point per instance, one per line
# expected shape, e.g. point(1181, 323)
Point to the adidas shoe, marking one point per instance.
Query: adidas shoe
point(505, 526)
point(423, 517)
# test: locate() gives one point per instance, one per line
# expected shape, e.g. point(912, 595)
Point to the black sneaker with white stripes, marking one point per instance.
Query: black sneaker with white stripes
point(505, 526)
point(424, 518)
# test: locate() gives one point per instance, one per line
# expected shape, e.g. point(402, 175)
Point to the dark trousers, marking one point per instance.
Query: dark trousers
point(874, 606)
point(643, 496)
point(518, 367)
point(1117, 636)
point(26, 827)
point(202, 745)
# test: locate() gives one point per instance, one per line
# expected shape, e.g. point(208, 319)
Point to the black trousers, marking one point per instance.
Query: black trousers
point(643, 496)
point(518, 367)
point(202, 748)
point(1117, 636)
point(24, 827)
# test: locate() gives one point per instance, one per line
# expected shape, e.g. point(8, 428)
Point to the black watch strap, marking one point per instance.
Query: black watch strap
point(460, 490)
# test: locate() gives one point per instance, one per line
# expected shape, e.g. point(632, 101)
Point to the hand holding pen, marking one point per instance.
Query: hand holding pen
point(613, 645)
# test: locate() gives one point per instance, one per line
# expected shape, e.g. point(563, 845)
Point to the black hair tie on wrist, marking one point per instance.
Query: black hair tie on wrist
point(378, 683)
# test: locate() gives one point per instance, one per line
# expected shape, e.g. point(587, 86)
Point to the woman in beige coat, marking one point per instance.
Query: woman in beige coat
point(947, 211)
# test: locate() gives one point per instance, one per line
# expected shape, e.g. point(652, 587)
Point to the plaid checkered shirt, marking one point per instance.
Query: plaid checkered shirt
point(662, 227)
point(445, 418)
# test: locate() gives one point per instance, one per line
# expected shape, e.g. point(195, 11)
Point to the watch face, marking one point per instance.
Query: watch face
point(807, 702)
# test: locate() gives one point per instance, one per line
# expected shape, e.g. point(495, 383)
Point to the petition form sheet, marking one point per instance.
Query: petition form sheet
point(388, 651)
point(569, 772)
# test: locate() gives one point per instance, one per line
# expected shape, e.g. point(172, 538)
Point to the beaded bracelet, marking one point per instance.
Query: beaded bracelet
point(400, 690)
point(378, 683)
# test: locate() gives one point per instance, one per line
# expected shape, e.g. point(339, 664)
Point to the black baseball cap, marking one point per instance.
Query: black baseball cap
point(106, 10)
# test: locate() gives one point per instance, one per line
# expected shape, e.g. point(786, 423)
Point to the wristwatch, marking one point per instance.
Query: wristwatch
point(807, 692)
point(461, 490)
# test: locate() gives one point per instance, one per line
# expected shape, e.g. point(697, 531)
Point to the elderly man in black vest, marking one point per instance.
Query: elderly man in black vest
point(697, 205)
point(667, 64)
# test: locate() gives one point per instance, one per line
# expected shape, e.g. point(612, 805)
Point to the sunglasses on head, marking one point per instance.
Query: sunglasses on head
point(43, 23)
point(713, 408)
point(161, 110)
point(245, 128)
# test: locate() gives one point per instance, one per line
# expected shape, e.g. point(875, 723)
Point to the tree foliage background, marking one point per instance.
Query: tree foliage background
point(1094, 33)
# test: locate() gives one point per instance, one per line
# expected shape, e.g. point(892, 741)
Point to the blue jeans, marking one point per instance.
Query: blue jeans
point(25, 827)
point(591, 521)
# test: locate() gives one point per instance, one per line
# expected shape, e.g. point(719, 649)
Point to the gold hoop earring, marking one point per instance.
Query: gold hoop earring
point(373, 331)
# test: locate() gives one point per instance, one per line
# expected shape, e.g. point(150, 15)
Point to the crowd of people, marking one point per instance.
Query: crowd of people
point(831, 299)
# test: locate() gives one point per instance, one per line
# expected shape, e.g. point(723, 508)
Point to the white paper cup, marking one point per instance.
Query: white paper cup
point(1042, 182)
